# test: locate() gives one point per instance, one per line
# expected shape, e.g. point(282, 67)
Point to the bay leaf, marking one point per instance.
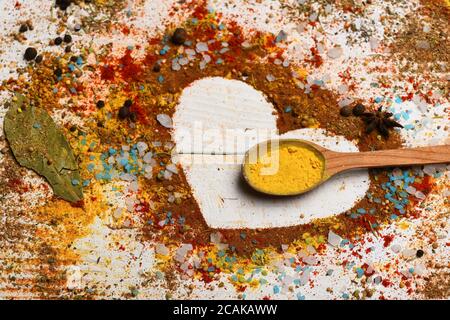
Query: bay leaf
point(38, 144)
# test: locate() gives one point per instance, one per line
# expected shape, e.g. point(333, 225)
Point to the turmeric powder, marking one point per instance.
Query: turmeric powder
point(288, 169)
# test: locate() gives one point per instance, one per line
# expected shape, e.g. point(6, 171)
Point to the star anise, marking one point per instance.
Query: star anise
point(381, 121)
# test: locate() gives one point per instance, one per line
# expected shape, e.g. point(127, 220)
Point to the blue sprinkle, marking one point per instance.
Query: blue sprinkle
point(276, 290)
point(79, 61)
point(75, 182)
point(243, 235)
point(345, 296)
point(71, 67)
point(219, 61)
point(361, 210)
point(378, 99)
point(359, 272)
point(86, 182)
point(160, 79)
point(394, 217)
point(405, 115)
point(409, 127)
point(288, 109)
point(36, 126)
point(300, 296)
point(398, 99)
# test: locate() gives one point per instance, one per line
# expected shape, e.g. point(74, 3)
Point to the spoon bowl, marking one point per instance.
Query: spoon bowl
point(337, 162)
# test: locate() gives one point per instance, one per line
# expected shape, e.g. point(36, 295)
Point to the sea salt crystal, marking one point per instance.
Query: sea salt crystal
point(127, 177)
point(343, 88)
point(313, 16)
point(172, 168)
point(117, 214)
point(420, 269)
point(304, 278)
point(161, 249)
point(190, 52)
point(201, 47)
point(215, 237)
point(429, 170)
point(142, 147)
point(134, 186)
point(167, 175)
point(423, 44)
point(411, 190)
point(408, 253)
point(397, 172)
point(374, 43)
point(182, 251)
point(183, 61)
point(164, 120)
point(335, 52)
point(396, 248)
point(345, 102)
point(419, 195)
point(310, 260)
point(334, 239)
point(176, 66)
point(148, 157)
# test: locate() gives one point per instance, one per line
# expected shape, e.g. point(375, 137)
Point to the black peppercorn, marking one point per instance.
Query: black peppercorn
point(39, 59)
point(179, 36)
point(128, 103)
point(156, 67)
point(58, 72)
point(124, 112)
point(30, 54)
point(67, 38)
point(419, 253)
point(359, 109)
point(63, 4)
point(346, 111)
point(58, 41)
point(68, 49)
point(100, 104)
point(23, 28)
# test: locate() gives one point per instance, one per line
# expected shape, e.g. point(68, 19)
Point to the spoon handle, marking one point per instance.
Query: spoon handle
point(339, 161)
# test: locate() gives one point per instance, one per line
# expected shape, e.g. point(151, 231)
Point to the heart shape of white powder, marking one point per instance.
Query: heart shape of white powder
point(218, 116)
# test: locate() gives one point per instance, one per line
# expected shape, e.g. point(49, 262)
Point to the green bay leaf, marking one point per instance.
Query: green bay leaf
point(38, 144)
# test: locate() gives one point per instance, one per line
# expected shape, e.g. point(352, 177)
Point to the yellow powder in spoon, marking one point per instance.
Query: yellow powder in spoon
point(291, 168)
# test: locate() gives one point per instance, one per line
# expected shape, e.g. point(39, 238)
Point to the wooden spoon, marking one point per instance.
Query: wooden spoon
point(337, 162)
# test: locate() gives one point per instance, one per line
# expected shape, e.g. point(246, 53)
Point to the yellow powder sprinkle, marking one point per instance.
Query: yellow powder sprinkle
point(289, 169)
